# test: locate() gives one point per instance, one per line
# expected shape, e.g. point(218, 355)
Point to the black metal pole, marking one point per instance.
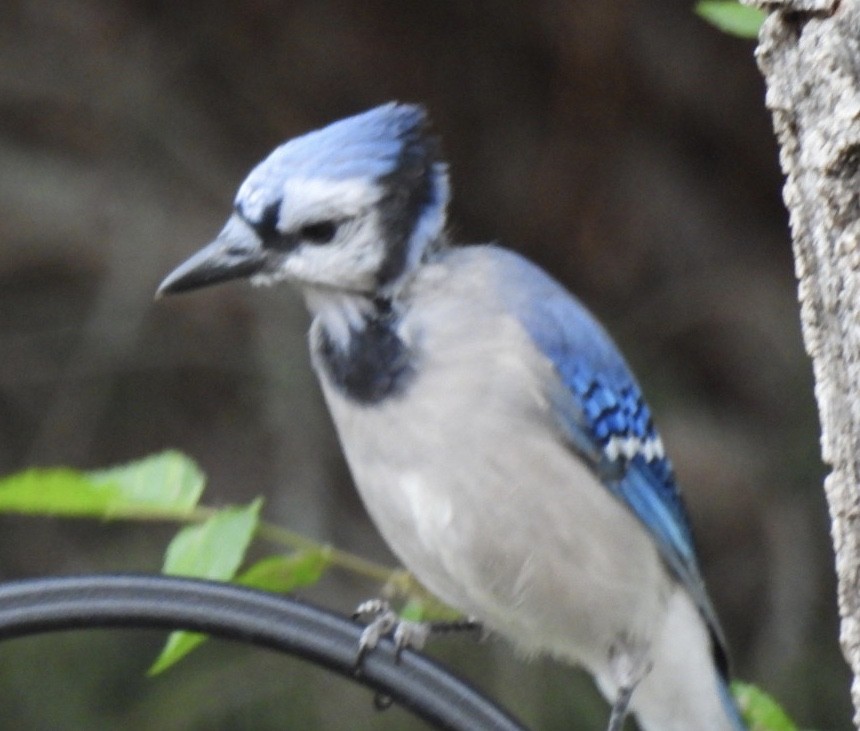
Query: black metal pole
point(228, 611)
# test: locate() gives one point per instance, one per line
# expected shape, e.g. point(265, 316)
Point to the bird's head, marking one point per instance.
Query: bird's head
point(351, 207)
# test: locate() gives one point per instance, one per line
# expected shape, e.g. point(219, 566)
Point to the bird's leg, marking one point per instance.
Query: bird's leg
point(628, 664)
point(405, 633)
point(620, 708)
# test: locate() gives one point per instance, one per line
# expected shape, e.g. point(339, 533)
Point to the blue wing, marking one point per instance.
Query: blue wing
point(602, 413)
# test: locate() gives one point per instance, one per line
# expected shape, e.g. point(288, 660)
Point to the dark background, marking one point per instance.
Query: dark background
point(623, 146)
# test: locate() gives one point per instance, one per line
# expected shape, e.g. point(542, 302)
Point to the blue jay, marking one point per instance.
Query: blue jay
point(497, 437)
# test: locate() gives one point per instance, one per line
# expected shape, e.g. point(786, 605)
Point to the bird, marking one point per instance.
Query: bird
point(496, 435)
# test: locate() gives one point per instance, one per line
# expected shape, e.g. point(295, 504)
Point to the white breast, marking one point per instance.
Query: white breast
point(468, 481)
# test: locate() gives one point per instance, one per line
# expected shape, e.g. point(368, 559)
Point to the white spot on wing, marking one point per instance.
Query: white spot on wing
point(631, 446)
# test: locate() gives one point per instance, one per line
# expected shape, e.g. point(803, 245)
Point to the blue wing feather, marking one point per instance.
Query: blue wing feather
point(600, 406)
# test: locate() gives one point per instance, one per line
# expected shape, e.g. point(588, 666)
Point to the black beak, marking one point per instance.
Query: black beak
point(236, 253)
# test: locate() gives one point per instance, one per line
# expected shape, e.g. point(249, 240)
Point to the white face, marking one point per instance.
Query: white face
point(353, 255)
point(349, 261)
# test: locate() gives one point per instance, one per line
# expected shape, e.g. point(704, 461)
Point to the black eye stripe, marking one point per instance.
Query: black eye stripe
point(267, 226)
point(318, 232)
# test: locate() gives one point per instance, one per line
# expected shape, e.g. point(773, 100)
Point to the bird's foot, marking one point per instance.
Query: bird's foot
point(384, 621)
point(405, 633)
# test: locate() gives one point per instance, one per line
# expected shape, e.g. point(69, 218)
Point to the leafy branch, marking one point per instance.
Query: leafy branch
point(213, 542)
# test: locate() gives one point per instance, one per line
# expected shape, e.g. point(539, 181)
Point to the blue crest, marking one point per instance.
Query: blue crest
point(368, 146)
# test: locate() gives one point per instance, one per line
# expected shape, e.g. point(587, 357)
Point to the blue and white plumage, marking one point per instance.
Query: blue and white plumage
point(497, 437)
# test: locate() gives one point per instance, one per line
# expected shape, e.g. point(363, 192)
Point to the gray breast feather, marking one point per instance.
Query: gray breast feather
point(471, 483)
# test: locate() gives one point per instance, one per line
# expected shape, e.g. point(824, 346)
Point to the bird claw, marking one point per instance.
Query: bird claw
point(386, 622)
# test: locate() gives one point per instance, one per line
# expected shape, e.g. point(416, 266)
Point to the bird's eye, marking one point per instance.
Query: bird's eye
point(321, 232)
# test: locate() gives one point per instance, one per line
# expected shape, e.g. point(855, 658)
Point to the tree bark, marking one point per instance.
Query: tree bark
point(809, 54)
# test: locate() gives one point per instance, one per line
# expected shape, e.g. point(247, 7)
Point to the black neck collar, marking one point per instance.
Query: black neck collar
point(376, 363)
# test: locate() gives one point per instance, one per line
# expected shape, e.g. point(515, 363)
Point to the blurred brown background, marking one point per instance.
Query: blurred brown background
point(623, 146)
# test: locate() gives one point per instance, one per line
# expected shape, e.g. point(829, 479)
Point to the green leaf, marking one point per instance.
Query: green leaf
point(760, 711)
point(57, 491)
point(212, 550)
point(178, 645)
point(168, 483)
point(169, 480)
point(215, 548)
point(275, 573)
point(287, 573)
point(731, 17)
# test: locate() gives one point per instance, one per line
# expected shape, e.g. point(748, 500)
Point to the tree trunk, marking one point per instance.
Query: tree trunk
point(809, 54)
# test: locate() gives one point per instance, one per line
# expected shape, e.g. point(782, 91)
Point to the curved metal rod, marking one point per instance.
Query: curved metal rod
point(228, 611)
